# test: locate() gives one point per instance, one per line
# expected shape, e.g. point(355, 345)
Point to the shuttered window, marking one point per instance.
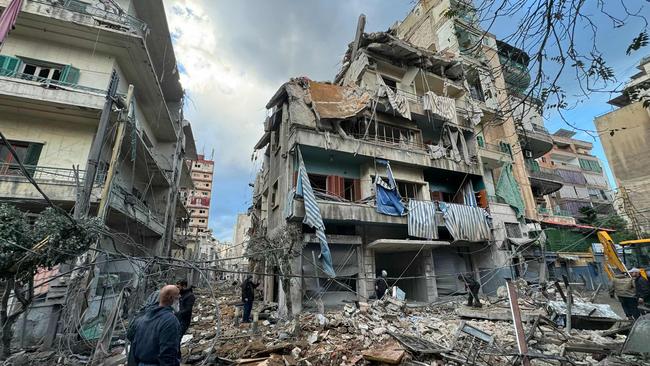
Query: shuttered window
point(590, 165)
point(9, 65)
point(28, 154)
point(38, 70)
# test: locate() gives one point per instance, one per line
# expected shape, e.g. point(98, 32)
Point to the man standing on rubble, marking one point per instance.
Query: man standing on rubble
point(472, 286)
point(157, 333)
point(247, 296)
point(641, 285)
point(623, 288)
point(186, 303)
point(381, 285)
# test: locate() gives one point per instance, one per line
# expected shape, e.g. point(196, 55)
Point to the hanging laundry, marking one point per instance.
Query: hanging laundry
point(465, 222)
point(508, 190)
point(8, 18)
point(313, 217)
point(436, 151)
point(459, 151)
point(397, 100)
point(442, 107)
point(388, 199)
point(422, 219)
point(475, 112)
point(468, 194)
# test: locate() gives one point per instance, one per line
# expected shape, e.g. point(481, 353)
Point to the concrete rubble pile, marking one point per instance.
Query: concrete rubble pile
point(390, 331)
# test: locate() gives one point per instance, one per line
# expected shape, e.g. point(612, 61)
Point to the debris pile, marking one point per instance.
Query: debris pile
point(389, 331)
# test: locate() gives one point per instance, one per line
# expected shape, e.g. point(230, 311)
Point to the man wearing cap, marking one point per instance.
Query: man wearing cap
point(642, 286)
point(381, 285)
point(624, 289)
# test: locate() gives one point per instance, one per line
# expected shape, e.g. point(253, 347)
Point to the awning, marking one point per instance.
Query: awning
point(404, 245)
point(263, 141)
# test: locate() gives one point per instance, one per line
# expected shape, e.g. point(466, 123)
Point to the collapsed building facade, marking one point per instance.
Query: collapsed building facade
point(412, 161)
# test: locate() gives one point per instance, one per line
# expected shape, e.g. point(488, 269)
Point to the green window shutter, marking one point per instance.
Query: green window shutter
point(596, 166)
point(70, 74)
point(9, 65)
point(480, 141)
point(583, 164)
point(32, 156)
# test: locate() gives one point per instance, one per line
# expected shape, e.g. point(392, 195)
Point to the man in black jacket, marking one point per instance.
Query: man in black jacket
point(186, 304)
point(641, 285)
point(472, 286)
point(247, 296)
point(157, 333)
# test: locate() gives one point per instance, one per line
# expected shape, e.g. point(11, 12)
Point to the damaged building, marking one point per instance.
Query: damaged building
point(412, 161)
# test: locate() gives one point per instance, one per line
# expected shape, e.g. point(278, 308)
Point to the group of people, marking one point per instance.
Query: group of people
point(631, 289)
point(156, 331)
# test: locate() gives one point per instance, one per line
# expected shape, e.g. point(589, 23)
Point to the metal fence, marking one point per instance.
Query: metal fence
point(48, 174)
point(111, 19)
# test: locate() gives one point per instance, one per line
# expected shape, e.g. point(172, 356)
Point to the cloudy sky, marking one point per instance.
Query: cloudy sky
point(233, 56)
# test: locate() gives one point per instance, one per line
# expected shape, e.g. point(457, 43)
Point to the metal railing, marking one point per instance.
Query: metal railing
point(389, 141)
point(48, 83)
point(44, 174)
point(493, 147)
point(104, 18)
point(536, 171)
point(127, 200)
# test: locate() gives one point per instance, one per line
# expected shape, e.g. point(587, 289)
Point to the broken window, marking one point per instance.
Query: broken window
point(318, 182)
point(513, 230)
point(274, 194)
point(391, 83)
point(408, 189)
point(276, 140)
point(475, 88)
point(394, 135)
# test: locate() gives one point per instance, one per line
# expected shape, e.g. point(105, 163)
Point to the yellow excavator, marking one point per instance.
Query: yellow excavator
point(636, 253)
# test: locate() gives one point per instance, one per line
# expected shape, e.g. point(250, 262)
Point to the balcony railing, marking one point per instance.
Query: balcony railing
point(48, 83)
point(106, 18)
point(140, 209)
point(536, 171)
point(48, 174)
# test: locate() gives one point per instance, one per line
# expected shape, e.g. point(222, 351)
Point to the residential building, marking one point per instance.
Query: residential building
point(414, 118)
point(56, 67)
point(197, 199)
point(625, 135)
point(572, 178)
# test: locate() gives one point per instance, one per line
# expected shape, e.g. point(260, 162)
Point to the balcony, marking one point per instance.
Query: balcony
point(129, 205)
point(536, 139)
point(411, 153)
point(515, 74)
point(84, 13)
point(492, 155)
point(543, 181)
point(47, 91)
point(59, 184)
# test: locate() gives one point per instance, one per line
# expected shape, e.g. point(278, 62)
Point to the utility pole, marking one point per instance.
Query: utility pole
point(82, 206)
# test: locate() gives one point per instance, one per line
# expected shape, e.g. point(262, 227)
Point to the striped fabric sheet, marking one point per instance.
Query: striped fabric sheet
point(465, 222)
point(313, 217)
point(422, 219)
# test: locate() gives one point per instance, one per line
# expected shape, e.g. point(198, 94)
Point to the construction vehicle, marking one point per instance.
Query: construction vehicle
point(636, 253)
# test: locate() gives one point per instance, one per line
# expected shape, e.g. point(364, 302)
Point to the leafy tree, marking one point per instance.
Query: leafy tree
point(53, 238)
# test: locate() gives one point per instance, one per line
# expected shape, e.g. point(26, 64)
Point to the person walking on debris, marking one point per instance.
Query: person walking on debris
point(186, 303)
point(247, 296)
point(641, 285)
point(472, 286)
point(381, 285)
point(157, 333)
point(623, 288)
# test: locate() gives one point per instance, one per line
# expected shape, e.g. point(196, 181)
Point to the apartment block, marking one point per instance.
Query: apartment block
point(55, 69)
point(572, 178)
point(625, 134)
point(197, 200)
point(411, 161)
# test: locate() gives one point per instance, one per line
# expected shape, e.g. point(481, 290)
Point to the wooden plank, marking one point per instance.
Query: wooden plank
point(522, 346)
point(391, 353)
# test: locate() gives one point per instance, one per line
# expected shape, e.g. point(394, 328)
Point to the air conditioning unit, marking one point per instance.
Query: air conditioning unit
point(528, 154)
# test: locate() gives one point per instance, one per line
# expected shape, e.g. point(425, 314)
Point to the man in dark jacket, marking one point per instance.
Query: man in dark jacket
point(641, 285)
point(381, 285)
point(157, 334)
point(472, 286)
point(186, 304)
point(247, 296)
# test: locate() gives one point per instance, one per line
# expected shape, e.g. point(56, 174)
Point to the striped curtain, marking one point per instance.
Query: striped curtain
point(313, 217)
point(422, 219)
point(465, 222)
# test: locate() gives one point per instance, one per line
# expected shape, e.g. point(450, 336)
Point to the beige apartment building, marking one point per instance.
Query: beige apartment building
point(197, 200)
point(625, 135)
point(55, 69)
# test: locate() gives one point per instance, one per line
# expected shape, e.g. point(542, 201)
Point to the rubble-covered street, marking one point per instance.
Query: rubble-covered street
point(394, 332)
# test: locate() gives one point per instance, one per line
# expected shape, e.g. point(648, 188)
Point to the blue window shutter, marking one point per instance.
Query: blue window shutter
point(70, 74)
point(9, 65)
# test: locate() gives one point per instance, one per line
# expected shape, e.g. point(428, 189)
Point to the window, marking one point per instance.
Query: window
point(394, 134)
point(318, 182)
point(28, 153)
point(274, 194)
point(480, 141)
point(475, 88)
point(589, 165)
point(206, 176)
point(408, 189)
point(207, 184)
point(543, 160)
point(201, 221)
point(513, 230)
point(391, 83)
point(197, 165)
point(204, 193)
point(38, 70)
point(276, 140)
point(201, 211)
